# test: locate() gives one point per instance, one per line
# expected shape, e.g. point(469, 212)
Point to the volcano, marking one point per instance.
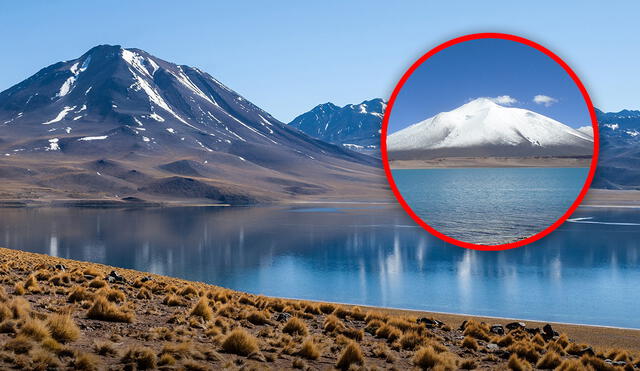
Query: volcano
point(482, 128)
point(121, 123)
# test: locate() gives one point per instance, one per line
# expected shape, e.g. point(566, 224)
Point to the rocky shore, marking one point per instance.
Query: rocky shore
point(63, 314)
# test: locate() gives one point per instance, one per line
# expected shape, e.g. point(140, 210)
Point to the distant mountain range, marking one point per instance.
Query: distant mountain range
point(354, 126)
point(619, 164)
point(119, 122)
point(482, 128)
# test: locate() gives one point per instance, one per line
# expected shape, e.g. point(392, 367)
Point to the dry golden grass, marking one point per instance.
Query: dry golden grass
point(469, 343)
point(173, 300)
point(332, 323)
point(310, 350)
point(21, 344)
point(86, 362)
point(477, 330)
point(63, 328)
point(104, 348)
point(428, 358)
point(295, 326)
point(104, 310)
point(517, 364)
point(97, 284)
point(468, 364)
point(78, 294)
point(388, 332)
point(549, 361)
point(142, 357)
point(176, 323)
point(240, 342)
point(257, 317)
point(35, 329)
point(410, 340)
point(350, 355)
point(326, 308)
point(202, 309)
point(525, 350)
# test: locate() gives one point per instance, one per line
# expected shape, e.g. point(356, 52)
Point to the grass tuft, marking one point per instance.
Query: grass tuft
point(310, 350)
point(104, 310)
point(63, 328)
point(351, 355)
point(144, 358)
point(549, 361)
point(240, 342)
point(517, 364)
point(428, 358)
point(35, 329)
point(295, 326)
point(470, 343)
point(202, 309)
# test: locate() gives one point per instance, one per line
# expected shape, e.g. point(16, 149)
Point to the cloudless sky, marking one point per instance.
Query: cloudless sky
point(489, 68)
point(288, 56)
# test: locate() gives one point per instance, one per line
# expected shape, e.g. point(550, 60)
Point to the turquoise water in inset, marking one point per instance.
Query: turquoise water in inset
point(490, 206)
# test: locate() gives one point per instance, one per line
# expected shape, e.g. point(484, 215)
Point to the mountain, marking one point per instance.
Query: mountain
point(119, 122)
point(619, 163)
point(354, 126)
point(482, 128)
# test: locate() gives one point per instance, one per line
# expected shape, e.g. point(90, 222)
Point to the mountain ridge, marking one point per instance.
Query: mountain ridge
point(125, 105)
point(483, 128)
point(354, 126)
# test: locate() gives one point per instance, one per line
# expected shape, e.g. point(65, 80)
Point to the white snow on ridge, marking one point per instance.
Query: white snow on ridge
point(136, 61)
point(186, 81)
point(154, 96)
point(60, 116)
point(482, 122)
point(67, 86)
point(89, 139)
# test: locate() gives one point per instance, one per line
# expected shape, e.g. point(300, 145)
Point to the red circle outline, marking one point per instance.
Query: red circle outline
point(594, 157)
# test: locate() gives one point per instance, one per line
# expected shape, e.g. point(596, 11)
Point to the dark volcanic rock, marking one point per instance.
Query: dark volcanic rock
point(515, 325)
point(429, 322)
point(497, 329)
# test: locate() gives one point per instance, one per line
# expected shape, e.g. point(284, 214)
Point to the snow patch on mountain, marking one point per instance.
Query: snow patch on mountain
point(61, 115)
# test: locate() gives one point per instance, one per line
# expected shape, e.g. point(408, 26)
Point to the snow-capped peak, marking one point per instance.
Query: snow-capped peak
point(484, 123)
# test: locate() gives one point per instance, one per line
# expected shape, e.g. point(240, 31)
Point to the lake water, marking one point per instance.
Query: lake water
point(585, 272)
point(490, 206)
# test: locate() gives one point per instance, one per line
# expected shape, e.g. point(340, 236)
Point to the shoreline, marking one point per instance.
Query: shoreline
point(596, 197)
point(601, 337)
point(491, 162)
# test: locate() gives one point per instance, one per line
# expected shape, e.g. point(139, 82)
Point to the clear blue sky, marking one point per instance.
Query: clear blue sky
point(519, 75)
point(288, 56)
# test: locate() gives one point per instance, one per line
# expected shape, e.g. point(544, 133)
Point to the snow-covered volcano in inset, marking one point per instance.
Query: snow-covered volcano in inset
point(482, 128)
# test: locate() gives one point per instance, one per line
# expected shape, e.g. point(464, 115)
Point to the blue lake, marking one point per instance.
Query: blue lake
point(490, 206)
point(584, 272)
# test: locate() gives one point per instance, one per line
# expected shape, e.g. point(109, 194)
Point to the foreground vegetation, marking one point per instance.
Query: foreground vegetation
point(63, 314)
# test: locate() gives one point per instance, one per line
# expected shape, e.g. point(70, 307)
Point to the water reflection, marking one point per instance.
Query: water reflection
point(586, 273)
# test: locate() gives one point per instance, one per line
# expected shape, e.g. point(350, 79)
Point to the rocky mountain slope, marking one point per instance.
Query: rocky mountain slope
point(354, 126)
point(619, 165)
point(119, 122)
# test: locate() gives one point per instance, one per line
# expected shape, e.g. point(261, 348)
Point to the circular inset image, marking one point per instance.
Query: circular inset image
point(490, 141)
